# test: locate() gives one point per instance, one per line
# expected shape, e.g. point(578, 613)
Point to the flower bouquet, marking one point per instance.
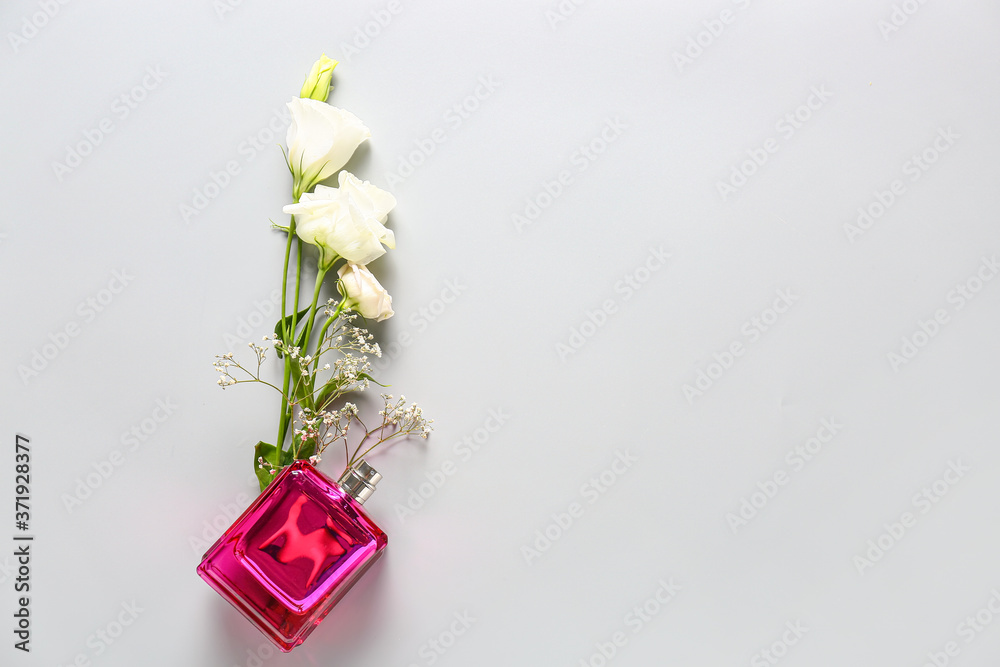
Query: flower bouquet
point(306, 540)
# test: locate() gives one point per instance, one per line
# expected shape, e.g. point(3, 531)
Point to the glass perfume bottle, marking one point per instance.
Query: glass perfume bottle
point(299, 547)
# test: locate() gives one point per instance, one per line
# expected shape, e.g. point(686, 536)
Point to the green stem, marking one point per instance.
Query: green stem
point(322, 333)
point(284, 280)
point(285, 414)
point(320, 273)
point(304, 390)
point(286, 339)
point(288, 333)
point(298, 279)
point(286, 408)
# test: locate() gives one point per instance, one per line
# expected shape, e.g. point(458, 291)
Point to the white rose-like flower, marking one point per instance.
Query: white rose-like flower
point(321, 139)
point(346, 221)
point(363, 293)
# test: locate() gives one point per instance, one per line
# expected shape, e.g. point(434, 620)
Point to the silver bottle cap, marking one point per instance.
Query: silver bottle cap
point(359, 481)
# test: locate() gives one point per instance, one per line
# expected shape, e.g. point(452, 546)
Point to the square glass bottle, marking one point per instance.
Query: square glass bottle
point(298, 548)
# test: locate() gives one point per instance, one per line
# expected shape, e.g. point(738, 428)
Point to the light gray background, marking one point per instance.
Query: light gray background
point(522, 293)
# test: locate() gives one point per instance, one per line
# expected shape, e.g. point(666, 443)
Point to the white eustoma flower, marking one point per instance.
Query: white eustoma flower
point(345, 221)
point(321, 139)
point(363, 293)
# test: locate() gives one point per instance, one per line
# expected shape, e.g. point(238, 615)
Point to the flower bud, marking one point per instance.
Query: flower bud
point(317, 85)
point(363, 293)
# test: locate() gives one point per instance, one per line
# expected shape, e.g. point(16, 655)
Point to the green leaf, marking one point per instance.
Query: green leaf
point(264, 476)
point(372, 380)
point(306, 450)
point(300, 342)
point(269, 452)
point(287, 321)
point(332, 389)
point(329, 392)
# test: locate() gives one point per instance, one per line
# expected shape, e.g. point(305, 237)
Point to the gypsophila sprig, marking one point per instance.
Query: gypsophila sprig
point(399, 420)
point(326, 355)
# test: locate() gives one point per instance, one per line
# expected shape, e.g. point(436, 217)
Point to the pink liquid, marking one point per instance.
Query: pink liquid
point(293, 554)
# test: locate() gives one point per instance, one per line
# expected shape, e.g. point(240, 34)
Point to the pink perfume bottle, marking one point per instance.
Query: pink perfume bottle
point(296, 550)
